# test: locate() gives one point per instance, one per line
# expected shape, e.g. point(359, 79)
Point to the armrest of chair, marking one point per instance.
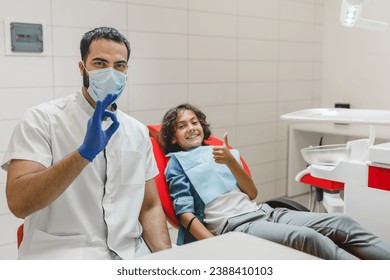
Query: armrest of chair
point(286, 203)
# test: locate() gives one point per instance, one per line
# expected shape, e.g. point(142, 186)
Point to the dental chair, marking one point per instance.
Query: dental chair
point(162, 186)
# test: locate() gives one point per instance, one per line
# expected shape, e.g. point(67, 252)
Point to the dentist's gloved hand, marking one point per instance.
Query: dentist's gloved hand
point(96, 138)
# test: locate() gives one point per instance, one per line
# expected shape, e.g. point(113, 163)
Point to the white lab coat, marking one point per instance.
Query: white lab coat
point(91, 217)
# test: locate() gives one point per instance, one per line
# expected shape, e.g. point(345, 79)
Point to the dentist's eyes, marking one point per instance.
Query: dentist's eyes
point(121, 67)
point(99, 63)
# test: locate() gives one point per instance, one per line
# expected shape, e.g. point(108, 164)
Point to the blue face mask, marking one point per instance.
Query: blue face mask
point(105, 81)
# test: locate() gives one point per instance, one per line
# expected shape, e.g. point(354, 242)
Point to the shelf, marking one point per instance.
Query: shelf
point(341, 115)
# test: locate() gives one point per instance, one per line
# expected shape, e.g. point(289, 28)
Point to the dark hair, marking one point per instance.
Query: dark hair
point(168, 128)
point(109, 33)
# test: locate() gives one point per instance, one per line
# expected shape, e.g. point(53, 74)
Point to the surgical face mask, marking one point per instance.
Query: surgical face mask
point(105, 81)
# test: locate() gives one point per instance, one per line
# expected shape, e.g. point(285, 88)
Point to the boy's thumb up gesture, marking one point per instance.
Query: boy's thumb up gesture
point(225, 140)
point(222, 153)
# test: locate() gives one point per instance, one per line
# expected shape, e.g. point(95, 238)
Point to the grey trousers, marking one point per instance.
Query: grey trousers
point(327, 236)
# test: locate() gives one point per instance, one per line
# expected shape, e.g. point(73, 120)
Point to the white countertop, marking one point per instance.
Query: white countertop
point(231, 246)
point(341, 115)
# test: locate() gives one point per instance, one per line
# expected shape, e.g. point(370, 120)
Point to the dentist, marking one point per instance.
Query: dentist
point(81, 172)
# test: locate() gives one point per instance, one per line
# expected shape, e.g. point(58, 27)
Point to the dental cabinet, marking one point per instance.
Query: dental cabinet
point(365, 177)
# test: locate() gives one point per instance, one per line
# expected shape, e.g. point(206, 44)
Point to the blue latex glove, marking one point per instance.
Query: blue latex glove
point(96, 138)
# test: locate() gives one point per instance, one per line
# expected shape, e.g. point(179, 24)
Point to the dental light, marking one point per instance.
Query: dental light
point(350, 16)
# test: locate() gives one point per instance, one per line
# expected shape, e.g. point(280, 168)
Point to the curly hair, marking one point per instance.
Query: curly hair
point(168, 128)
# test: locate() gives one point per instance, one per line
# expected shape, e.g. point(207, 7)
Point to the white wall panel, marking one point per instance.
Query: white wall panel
point(212, 94)
point(157, 71)
point(66, 40)
point(297, 31)
point(2, 46)
point(153, 97)
point(66, 71)
point(26, 10)
point(20, 99)
point(264, 173)
point(157, 45)
point(212, 24)
point(297, 51)
point(166, 3)
point(217, 71)
point(149, 117)
point(258, 28)
point(257, 92)
point(259, 154)
point(7, 127)
point(201, 47)
point(254, 71)
point(156, 19)
point(259, 8)
point(259, 133)
point(35, 71)
point(218, 6)
point(256, 113)
point(297, 11)
point(221, 116)
point(257, 50)
point(290, 71)
point(89, 13)
point(295, 90)
point(267, 191)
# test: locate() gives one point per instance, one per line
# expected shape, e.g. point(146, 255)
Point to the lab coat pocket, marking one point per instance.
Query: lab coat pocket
point(61, 247)
point(130, 195)
point(132, 168)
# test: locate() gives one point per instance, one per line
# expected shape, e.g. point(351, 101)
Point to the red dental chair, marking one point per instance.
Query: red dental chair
point(19, 235)
point(162, 186)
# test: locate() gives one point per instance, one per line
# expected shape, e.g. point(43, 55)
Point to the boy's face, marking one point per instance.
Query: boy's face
point(189, 132)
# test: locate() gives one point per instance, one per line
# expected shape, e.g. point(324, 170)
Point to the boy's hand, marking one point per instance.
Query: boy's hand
point(222, 153)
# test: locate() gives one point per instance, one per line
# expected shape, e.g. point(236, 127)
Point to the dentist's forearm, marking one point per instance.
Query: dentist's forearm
point(31, 186)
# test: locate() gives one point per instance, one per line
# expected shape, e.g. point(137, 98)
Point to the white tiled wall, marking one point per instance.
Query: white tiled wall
point(244, 62)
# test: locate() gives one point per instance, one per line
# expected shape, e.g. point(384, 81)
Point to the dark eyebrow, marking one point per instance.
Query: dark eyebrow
point(194, 118)
point(99, 59)
point(120, 61)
